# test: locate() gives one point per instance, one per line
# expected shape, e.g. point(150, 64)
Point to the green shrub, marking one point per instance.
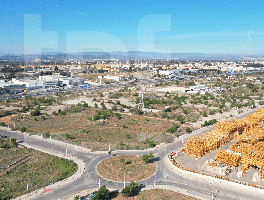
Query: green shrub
point(188, 130)
point(23, 129)
point(147, 158)
point(173, 128)
point(46, 135)
point(130, 190)
point(2, 124)
point(118, 116)
point(210, 122)
point(68, 136)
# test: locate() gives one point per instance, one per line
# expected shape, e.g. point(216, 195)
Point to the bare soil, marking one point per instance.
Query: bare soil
point(157, 194)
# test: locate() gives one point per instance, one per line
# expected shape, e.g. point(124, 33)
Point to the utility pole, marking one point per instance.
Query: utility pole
point(155, 181)
point(124, 180)
point(87, 80)
point(99, 182)
point(109, 146)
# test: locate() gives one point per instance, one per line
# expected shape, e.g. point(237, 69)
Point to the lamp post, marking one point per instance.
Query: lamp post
point(124, 179)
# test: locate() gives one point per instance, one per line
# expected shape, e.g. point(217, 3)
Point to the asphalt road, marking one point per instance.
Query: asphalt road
point(163, 176)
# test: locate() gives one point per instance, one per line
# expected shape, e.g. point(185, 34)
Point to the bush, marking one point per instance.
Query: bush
point(68, 136)
point(46, 135)
point(121, 109)
point(36, 112)
point(188, 130)
point(23, 109)
point(211, 112)
point(2, 124)
point(114, 108)
point(173, 128)
point(118, 116)
point(139, 112)
point(136, 147)
point(180, 119)
point(89, 118)
point(210, 122)
point(23, 129)
point(150, 142)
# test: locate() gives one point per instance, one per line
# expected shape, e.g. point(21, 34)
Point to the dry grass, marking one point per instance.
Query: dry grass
point(96, 135)
point(134, 168)
point(157, 194)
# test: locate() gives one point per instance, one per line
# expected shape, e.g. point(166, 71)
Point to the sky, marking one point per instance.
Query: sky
point(174, 26)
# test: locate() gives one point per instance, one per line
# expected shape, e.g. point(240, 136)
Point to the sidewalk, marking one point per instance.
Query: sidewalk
point(213, 182)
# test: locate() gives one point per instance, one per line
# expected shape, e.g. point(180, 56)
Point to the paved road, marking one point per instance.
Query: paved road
point(163, 175)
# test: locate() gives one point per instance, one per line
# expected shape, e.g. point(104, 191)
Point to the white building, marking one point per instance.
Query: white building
point(32, 84)
point(115, 77)
point(168, 72)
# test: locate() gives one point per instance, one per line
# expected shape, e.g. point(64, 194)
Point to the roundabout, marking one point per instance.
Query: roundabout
point(125, 167)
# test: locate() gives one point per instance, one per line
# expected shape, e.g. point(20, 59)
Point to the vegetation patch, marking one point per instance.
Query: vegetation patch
point(21, 167)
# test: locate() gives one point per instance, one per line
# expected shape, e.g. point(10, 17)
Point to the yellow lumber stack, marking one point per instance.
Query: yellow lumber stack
point(227, 158)
point(249, 133)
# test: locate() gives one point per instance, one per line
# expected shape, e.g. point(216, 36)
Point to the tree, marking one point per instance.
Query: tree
point(56, 68)
point(23, 129)
point(130, 190)
point(76, 197)
point(122, 160)
point(147, 158)
point(13, 140)
point(36, 112)
point(102, 194)
point(188, 130)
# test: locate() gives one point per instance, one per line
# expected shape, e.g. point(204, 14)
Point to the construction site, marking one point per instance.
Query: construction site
point(233, 150)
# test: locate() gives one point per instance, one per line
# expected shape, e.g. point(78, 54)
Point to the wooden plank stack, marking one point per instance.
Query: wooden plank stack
point(249, 133)
point(227, 158)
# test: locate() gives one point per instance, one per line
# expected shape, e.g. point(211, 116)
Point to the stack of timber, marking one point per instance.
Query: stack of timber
point(248, 132)
point(227, 158)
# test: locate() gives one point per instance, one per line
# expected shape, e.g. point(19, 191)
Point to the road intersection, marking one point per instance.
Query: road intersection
point(165, 176)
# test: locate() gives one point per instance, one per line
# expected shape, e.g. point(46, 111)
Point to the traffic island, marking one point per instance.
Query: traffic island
point(125, 167)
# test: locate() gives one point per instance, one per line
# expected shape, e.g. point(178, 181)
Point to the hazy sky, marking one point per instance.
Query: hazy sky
point(215, 27)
